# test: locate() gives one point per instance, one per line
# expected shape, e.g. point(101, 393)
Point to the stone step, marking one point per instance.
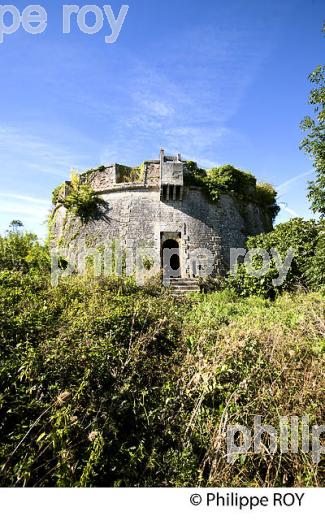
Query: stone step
point(179, 291)
point(183, 281)
point(183, 286)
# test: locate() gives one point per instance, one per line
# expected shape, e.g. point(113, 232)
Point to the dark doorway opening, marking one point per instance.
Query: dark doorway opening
point(170, 258)
point(172, 246)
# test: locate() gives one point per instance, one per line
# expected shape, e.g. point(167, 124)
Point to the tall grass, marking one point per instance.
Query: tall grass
point(105, 384)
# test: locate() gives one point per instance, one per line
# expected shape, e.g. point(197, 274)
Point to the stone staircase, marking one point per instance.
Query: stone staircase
point(183, 286)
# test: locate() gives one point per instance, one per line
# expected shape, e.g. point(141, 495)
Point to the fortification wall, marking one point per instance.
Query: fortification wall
point(107, 178)
point(136, 218)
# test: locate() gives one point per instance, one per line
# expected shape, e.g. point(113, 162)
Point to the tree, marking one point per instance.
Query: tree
point(16, 225)
point(307, 269)
point(81, 199)
point(314, 142)
point(21, 251)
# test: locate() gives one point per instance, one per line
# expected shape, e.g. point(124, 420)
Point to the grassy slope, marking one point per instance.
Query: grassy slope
point(105, 384)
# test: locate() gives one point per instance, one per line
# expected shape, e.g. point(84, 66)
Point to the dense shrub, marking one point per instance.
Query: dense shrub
point(194, 175)
point(106, 384)
point(81, 200)
point(109, 386)
point(265, 196)
point(21, 251)
point(228, 179)
point(250, 357)
point(57, 194)
point(84, 366)
point(307, 269)
point(315, 271)
point(314, 143)
point(129, 174)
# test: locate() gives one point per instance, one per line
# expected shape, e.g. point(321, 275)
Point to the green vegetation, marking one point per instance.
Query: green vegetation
point(315, 271)
point(21, 251)
point(128, 174)
point(106, 384)
point(88, 173)
point(81, 200)
point(228, 179)
point(265, 195)
point(314, 142)
point(103, 383)
point(148, 262)
point(194, 175)
point(307, 270)
point(57, 194)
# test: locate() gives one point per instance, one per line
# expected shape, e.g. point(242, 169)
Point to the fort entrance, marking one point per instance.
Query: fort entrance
point(170, 255)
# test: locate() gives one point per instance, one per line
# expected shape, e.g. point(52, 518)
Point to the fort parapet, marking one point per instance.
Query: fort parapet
point(155, 207)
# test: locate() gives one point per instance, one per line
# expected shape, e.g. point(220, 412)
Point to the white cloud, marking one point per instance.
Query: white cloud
point(21, 149)
point(26, 198)
point(283, 188)
point(186, 101)
point(286, 208)
point(33, 212)
point(157, 107)
point(31, 163)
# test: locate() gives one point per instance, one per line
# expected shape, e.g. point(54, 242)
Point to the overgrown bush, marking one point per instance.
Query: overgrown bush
point(83, 367)
point(194, 175)
point(228, 179)
point(249, 357)
point(106, 384)
point(129, 174)
point(57, 194)
point(265, 196)
point(81, 200)
point(315, 270)
point(307, 269)
point(21, 251)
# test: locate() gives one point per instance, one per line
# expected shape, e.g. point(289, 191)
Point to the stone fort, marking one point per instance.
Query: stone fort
point(156, 210)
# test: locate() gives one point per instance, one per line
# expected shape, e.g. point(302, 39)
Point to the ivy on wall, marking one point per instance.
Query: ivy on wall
point(129, 174)
point(81, 200)
point(228, 179)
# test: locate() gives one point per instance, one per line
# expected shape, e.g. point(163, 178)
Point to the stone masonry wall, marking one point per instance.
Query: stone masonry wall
point(136, 217)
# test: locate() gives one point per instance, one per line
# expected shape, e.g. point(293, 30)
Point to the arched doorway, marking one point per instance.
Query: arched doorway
point(170, 258)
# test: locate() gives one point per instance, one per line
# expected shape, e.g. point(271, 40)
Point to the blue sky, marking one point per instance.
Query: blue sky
point(218, 81)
